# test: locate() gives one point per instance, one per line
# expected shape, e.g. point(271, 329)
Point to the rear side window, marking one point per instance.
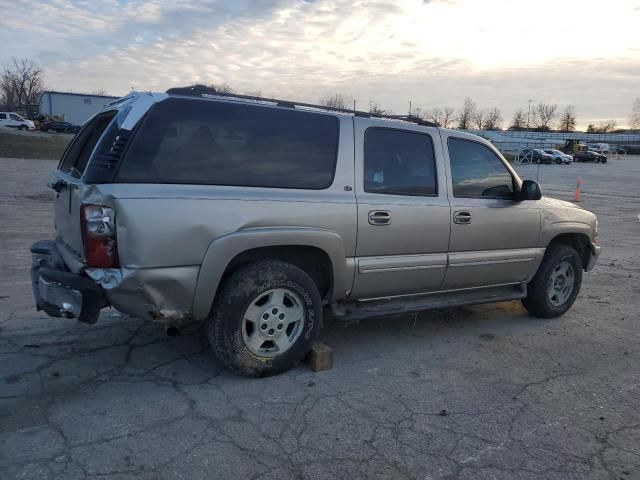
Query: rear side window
point(477, 171)
point(74, 161)
point(399, 162)
point(219, 143)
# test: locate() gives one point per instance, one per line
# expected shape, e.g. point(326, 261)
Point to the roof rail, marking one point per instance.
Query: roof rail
point(196, 90)
point(203, 90)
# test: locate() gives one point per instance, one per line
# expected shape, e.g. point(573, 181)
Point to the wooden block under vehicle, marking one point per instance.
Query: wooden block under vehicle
point(320, 357)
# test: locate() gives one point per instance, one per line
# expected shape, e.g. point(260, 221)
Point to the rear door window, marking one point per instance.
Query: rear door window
point(224, 143)
point(399, 162)
point(74, 161)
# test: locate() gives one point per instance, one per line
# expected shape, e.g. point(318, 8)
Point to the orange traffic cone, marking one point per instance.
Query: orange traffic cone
point(576, 197)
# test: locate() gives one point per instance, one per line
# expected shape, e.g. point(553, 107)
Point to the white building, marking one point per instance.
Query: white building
point(76, 108)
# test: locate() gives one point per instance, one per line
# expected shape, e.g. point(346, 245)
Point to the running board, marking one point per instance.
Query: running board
point(414, 303)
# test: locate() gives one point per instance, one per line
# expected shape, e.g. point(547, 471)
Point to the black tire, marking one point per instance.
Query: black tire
point(239, 290)
point(22, 128)
point(604, 160)
point(537, 301)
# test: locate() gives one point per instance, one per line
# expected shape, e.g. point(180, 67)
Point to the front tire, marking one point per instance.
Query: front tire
point(556, 284)
point(265, 318)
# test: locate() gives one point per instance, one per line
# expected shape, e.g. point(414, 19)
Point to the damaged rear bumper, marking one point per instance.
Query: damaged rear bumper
point(61, 293)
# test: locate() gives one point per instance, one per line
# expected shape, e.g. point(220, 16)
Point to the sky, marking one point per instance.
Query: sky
point(434, 53)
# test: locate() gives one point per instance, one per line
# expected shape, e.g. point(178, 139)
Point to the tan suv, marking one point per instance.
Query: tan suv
point(256, 215)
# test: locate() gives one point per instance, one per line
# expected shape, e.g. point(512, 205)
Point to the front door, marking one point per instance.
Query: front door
point(494, 238)
point(403, 210)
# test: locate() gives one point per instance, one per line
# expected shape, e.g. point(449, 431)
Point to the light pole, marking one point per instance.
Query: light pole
point(529, 114)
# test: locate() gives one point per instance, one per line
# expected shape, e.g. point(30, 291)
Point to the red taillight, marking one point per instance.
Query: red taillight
point(99, 236)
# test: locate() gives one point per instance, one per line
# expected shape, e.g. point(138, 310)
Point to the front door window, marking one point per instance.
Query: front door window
point(477, 172)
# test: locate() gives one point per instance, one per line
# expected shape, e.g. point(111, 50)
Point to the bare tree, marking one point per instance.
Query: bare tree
point(635, 114)
point(493, 119)
point(376, 109)
point(602, 127)
point(222, 87)
point(254, 93)
point(568, 119)
point(543, 115)
point(443, 117)
point(21, 83)
point(466, 114)
point(519, 121)
point(337, 100)
point(478, 119)
point(100, 92)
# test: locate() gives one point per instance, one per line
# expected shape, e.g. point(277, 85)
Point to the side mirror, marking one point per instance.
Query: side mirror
point(530, 190)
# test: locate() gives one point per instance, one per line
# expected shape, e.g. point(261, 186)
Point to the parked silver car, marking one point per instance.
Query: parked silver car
point(558, 156)
point(257, 215)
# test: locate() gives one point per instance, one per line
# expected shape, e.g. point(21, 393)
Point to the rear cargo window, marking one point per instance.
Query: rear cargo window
point(74, 161)
point(220, 143)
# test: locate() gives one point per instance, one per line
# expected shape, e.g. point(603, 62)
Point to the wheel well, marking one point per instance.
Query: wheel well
point(312, 260)
point(578, 241)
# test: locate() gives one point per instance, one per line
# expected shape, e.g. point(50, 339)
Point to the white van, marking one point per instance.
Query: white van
point(13, 120)
point(599, 147)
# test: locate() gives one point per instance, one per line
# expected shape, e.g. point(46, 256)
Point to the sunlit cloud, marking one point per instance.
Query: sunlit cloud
point(434, 53)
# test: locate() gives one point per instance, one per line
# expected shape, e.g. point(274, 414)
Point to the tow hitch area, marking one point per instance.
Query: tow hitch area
point(60, 293)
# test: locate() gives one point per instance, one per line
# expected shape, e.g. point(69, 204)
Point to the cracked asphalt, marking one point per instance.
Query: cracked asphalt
point(484, 392)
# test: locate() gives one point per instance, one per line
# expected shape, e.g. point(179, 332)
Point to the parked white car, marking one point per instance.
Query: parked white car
point(13, 120)
point(558, 156)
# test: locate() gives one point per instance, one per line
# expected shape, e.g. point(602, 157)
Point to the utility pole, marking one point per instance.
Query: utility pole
point(529, 114)
point(354, 105)
point(409, 107)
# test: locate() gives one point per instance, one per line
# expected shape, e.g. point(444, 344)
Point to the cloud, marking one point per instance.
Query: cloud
point(434, 53)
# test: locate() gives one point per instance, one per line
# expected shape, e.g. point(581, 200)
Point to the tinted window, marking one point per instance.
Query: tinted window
point(218, 143)
point(478, 172)
point(75, 159)
point(399, 162)
point(3, 116)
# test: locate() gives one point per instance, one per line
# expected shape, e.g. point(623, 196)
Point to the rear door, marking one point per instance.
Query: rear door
point(70, 189)
point(403, 210)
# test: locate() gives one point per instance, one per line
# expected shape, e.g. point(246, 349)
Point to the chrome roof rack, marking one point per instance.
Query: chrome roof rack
point(205, 91)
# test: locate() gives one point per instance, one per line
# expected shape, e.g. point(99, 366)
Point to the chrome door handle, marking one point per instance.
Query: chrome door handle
point(379, 217)
point(462, 217)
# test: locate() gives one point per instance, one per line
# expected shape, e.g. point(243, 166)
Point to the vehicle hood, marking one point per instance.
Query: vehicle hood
point(550, 202)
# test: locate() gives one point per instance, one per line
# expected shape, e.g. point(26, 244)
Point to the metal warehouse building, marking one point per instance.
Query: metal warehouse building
point(76, 108)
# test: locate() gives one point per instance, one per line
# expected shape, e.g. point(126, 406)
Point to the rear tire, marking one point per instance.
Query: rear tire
point(265, 318)
point(556, 284)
